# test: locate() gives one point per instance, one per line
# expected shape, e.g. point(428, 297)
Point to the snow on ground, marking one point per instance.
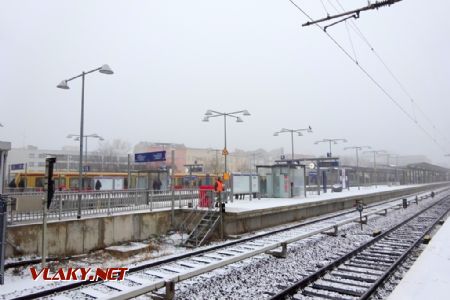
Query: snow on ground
point(260, 276)
point(18, 280)
point(429, 277)
point(249, 205)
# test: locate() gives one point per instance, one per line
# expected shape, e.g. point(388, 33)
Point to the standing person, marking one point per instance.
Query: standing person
point(98, 185)
point(218, 187)
point(158, 184)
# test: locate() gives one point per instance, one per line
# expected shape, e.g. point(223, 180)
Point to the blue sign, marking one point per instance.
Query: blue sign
point(150, 156)
point(17, 167)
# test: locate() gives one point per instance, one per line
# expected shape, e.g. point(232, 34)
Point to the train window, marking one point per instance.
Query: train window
point(40, 182)
point(88, 183)
point(73, 183)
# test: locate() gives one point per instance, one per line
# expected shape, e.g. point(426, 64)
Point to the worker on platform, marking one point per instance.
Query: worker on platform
point(218, 187)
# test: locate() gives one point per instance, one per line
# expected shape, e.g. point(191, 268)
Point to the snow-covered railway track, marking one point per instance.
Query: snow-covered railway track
point(359, 273)
point(153, 276)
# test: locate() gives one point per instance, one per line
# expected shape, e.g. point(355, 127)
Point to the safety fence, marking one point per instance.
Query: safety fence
point(68, 204)
point(3, 216)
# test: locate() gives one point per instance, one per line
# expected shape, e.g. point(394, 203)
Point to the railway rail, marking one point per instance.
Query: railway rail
point(153, 276)
point(359, 273)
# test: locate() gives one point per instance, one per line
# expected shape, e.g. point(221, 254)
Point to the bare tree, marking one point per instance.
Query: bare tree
point(113, 155)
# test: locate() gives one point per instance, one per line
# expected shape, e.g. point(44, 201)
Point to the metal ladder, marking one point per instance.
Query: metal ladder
point(203, 229)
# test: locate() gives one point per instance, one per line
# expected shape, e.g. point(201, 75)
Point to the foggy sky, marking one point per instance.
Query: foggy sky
point(173, 60)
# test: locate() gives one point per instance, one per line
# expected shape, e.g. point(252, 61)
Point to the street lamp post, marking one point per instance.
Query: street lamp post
point(212, 114)
point(105, 69)
point(77, 138)
point(292, 131)
point(334, 141)
point(375, 152)
point(357, 148)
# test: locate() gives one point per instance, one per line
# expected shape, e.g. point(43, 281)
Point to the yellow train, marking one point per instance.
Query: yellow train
point(69, 181)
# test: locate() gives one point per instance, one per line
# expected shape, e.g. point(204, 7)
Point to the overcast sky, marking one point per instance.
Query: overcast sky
point(173, 60)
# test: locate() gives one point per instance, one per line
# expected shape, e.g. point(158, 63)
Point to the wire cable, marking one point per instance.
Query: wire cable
point(324, 7)
point(385, 92)
point(414, 104)
point(351, 42)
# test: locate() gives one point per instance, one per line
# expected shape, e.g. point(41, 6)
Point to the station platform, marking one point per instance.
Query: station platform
point(243, 216)
point(429, 277)
point(247, 205)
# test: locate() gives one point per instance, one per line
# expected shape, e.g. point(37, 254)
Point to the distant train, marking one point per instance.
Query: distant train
point(69, 181)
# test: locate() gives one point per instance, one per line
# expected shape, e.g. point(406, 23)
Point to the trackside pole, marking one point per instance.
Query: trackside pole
point(46, 201)
point(44, 232)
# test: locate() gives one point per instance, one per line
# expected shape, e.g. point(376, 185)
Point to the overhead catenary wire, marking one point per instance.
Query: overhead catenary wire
point(324, 7)
point(374, 81)
point(414, 104)
point(351, 42)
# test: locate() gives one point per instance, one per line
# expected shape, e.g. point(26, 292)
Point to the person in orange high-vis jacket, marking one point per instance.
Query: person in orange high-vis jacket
point(218, 187)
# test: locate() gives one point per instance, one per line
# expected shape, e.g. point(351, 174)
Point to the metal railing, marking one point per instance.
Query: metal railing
point(65, 204)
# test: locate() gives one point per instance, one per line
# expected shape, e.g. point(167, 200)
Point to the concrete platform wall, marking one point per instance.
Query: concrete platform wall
point(81, 236)
point(242, 222)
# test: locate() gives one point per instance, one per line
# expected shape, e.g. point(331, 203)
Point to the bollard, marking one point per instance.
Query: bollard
point(405, 203)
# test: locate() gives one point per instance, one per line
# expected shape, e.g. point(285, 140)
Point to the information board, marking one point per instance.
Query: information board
point(241, 183)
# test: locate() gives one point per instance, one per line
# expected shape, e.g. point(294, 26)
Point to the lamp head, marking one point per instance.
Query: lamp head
point(275, 134)
point(105, 69)
point(205, 119)
point(246, 113)
point(299, 133)
point(239, 120)
point(309, 129)
point(208, 113)
point(63, 85)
